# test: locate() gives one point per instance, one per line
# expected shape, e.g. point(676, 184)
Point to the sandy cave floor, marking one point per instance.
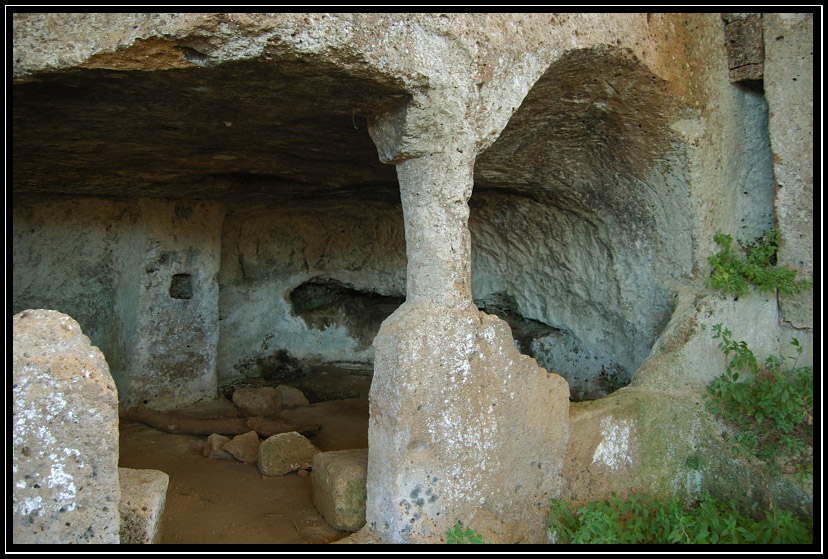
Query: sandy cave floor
point(214, 501)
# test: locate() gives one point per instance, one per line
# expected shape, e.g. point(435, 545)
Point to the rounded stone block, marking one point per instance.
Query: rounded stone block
point(285, 453)
point(254, 402)
point(338, 482)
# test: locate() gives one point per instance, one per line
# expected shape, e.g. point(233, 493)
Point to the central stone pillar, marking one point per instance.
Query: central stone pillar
point(435, 190)
point(462, 426)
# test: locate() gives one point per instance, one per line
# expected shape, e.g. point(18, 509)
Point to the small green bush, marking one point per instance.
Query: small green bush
point(732, 274)
point(639, 519)
point(772, 413)
point(460, 535)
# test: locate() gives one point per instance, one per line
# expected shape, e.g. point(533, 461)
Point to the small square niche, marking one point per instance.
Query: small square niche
point(181, 287)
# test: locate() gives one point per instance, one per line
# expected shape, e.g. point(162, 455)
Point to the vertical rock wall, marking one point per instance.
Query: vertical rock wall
point(581, 213)
point(789, 64)
point(173, 349)
point(79, 257)
point(142, 278)
point(268, 252)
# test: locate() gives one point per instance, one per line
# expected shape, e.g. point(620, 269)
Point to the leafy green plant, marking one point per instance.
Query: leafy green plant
point(458, 534)
point(732, 274)
point(638, 519)
point(772, 413)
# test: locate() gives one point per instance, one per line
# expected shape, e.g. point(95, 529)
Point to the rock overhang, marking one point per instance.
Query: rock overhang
point(245, 130)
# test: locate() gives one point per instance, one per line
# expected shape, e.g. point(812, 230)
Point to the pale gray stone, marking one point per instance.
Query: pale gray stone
point(452, 399)
point(64, 434)
point(143, 498)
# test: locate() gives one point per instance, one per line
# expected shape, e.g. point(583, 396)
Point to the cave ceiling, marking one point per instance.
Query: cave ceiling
point(244, 130)
point(291, 130)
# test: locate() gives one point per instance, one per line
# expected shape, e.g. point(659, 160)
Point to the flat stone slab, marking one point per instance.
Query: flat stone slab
point(338, 483)
point(143, 497)
point(284, 453)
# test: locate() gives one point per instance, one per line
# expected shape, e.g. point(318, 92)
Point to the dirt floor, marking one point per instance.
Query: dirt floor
point(215, 501)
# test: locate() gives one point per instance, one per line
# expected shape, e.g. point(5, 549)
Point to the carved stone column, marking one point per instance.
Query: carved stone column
point(435, 190)
point(463, 427)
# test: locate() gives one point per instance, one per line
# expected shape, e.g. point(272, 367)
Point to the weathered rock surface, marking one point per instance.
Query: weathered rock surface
point(745, 46)
point(244, 447)
point(285, 453)
point(64, 434)
point(578, 164)
point(459, 416)
point(253, 402)
point(339, 487)
point(143, 498)
point(620, 443)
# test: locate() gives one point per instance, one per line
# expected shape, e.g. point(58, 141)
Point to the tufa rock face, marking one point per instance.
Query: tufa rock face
point(64, 434)
point(178, 177)
point(460, 421)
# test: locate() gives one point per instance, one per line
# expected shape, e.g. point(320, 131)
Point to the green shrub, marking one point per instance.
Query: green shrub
point(460, 535)
point(772, 413)
point(732, 274)
point(639, 519)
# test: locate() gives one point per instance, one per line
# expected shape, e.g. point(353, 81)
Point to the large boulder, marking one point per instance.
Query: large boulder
point(64, 435)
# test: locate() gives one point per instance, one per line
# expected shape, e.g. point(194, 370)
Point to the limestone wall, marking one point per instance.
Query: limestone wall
point(80, 257)
point(269, 252)
point(575, 166)
point(141, 278)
